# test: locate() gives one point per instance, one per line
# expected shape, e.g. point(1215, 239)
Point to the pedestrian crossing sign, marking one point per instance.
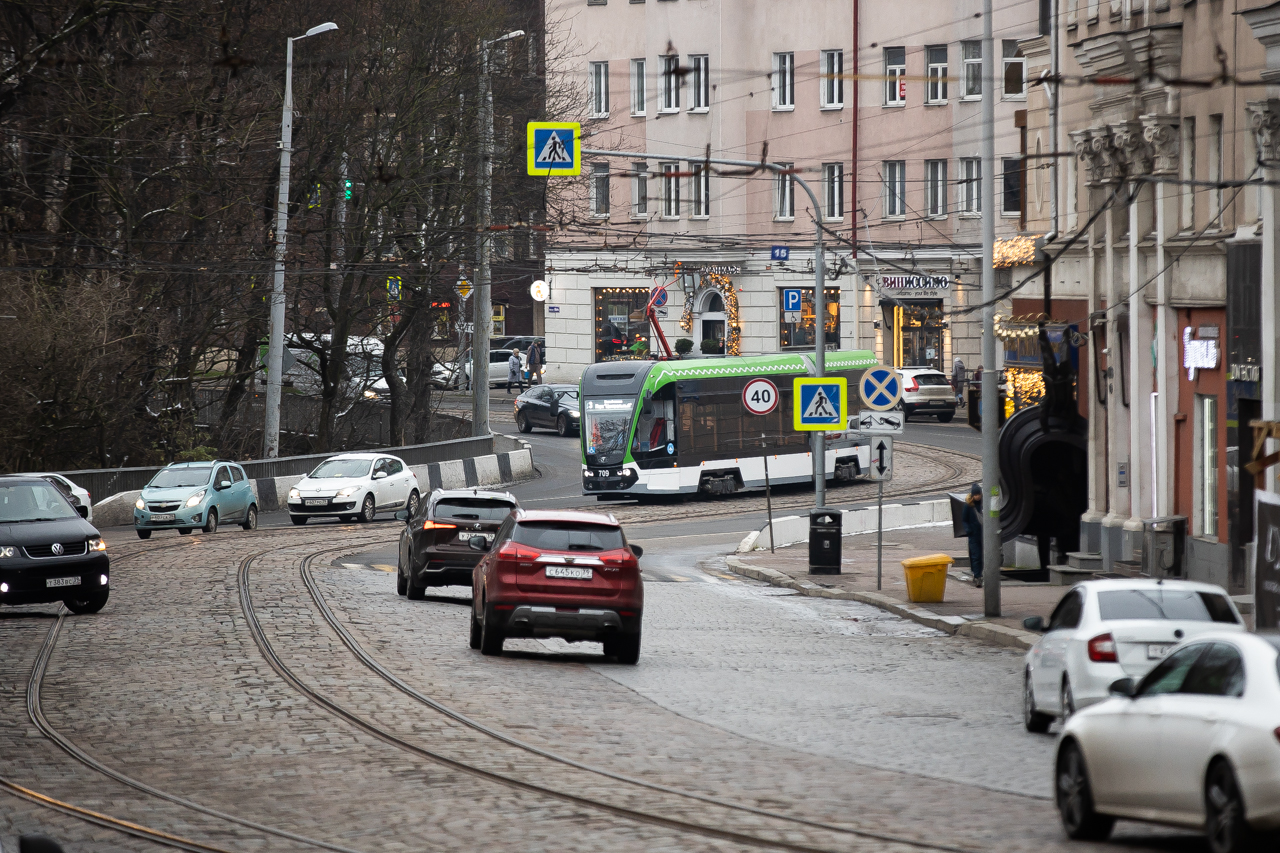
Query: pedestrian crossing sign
point(820, 405)
point(554, 148)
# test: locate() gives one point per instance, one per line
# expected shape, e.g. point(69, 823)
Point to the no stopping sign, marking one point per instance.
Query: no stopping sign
point(760, 397)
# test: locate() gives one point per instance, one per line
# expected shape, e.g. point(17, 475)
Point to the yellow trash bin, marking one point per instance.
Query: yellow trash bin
point(926, 577)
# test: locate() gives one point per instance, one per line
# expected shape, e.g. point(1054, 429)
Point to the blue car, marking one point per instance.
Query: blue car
point(187, 495)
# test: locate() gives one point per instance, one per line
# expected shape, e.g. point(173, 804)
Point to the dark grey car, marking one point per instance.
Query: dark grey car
point(550, 406)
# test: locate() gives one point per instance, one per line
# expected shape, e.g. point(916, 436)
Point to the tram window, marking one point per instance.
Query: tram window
point(657, 429)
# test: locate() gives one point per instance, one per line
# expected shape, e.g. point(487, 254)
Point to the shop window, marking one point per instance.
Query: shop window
point(620, 322)
point(1206, 466)
point(915, 333)
point(796, 328)
point(499, 321)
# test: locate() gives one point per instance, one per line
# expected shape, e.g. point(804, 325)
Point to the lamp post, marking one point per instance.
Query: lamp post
point(483, 318)
point(275, 343)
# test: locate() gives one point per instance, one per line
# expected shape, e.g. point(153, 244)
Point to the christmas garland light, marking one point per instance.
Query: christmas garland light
point(1014, 252)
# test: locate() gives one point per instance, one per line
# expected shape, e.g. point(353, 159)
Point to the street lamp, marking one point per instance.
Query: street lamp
point(275, 343)
point(483, 317)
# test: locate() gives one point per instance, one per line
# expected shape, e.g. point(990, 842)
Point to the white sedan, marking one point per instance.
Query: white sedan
point(1196, 743)
point(82, 498)
point(1108, 629)
point(354, 487)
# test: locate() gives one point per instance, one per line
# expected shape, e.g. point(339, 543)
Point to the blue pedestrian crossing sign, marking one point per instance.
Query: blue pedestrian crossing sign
point(880, 388)
point(820, 405)
point(554, 148)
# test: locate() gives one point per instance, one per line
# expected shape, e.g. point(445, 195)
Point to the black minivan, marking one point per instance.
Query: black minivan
point(47, 551)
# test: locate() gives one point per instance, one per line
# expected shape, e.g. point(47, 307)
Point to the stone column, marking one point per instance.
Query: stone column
point(1161, 132)
point(1091, 520)
point(1264, 117)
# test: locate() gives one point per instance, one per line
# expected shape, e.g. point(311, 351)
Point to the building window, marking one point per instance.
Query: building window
point(1188, 173)
point(699, 191)
point(832, 84)
point(499, 320)
point(972, 68)
point(833, 190)
point(796, 328)
point(598, 86)
point(970, 187)
point(1015, 71)
point(1011, 195)
point(784, 81)
point(895, 188)
point(670, 191)
point(936, 87)
point(895, 70)
point(1215, 169)
point(600, 190)
point(701, 83)
point(670, 83)
point(1206, 466)
point(935, 184)
point(616, 332)
point(784, 195)
point(639, 191)
point(639, 93)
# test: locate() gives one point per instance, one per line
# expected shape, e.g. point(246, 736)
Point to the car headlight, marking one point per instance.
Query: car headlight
point(96, 544)
point(348, 491)
point(294, 494)
point(195, 499)
point(8, 551)
point(141, 504)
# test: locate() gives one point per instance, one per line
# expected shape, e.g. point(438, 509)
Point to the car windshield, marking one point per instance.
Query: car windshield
point(336, 469)
point(568, 536)
point(472, 509)
point(931, 379)
point(1160, 603)
point(33, 502)
point(608, 424)
point(179, 478)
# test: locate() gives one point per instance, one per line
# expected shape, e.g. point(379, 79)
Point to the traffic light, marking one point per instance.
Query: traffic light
point(346, 190)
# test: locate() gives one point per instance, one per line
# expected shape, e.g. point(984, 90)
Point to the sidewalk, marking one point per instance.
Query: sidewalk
point(959, 613)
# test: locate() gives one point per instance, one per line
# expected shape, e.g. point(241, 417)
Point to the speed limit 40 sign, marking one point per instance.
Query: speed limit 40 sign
point(760, 397)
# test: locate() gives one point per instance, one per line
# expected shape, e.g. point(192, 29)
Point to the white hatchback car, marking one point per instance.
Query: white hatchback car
point(69, 488)
point(1104, 630)
point(1195, 743)
point(354, 487)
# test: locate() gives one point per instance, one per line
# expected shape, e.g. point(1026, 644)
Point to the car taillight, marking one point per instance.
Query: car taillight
point(1102, 649)
point(911, 385)
point(436, 525)
point(515, 551)
point(622, 559)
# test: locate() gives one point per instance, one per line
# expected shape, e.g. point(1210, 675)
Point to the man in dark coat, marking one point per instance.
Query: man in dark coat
point(973, 529)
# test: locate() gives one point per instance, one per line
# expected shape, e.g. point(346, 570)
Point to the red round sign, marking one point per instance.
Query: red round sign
point(760, 397)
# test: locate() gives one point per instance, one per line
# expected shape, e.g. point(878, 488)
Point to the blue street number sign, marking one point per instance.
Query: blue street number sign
point(880, 388)
point(821, 405)
point(780, 253)
point(791, 298)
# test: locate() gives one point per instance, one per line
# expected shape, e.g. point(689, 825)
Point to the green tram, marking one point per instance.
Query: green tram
point(680, 427)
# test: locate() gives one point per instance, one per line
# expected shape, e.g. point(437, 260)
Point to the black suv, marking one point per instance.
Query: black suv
point(47, 551)
point(435, 543)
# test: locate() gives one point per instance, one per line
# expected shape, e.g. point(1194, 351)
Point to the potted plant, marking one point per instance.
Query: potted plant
point(684, 346)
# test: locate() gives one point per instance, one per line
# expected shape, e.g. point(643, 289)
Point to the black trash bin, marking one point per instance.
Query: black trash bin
point(824, 541)
point(1163, 544)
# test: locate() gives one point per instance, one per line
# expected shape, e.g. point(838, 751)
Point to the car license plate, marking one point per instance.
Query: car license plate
point(62, 582)
point(1155, 651)
point(163, 516)
point(316, 503)
point(573, 572)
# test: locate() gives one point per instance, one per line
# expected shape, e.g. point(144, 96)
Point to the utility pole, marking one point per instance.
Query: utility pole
point(819, 350)
point(275, 341)
point(482, 320)
point(991, 556)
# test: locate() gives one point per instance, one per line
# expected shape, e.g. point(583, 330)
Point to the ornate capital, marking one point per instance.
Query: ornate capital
point(1161, 133)
point(1084, 150)
point(1110, 169)
point(1264, 118)
point(1132, 151)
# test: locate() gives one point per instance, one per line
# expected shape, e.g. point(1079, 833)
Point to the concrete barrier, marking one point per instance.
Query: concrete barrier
point(795, 528)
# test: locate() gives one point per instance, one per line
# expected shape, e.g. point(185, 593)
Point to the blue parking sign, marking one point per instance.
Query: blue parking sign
point(791, 298)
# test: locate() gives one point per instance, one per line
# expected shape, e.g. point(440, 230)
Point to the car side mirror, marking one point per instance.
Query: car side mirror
point(403, 515)
point(638, 551)
point(646, 408)
point(222, 484)
point(1123, 687)
point(83, 510)
point(478, 543)
point(1034, 623)
point(380, 475)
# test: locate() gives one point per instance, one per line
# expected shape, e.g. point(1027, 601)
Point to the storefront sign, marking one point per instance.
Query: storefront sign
point(1198, 354)
point(915, 282)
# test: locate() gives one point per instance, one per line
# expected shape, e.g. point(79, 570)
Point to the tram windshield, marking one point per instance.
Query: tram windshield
point(606, 428)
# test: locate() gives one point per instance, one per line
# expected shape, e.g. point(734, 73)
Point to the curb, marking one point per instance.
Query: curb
point(987, 632)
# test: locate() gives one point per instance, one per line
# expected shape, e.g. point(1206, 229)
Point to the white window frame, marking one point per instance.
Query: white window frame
point(670, 83)
point(1021, 62)
point(700, 97)
point(833, 192)
point(831, 84)
point(670, 191)
point(971, 55)
point(935, 88)
point(1216, 164)
point(969, 187)
point(935, 188)
point(895, 94)
point(1187, 214)
point(639, 88)
point(598, 90)
point(1012, 214)
point(895, 189)
point(1205, 470)
point(784, 195)
point(784, 82)
point(639, 191)
point(599, 180)
point(699, 192)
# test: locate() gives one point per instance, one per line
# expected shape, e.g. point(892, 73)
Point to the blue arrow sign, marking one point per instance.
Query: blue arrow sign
point(791, 298)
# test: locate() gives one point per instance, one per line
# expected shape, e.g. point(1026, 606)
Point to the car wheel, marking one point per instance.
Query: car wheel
point(522, 422)
point(1035, 721)
point(298, 519)
point(411, 505)
point(1066, 699)
point(367, 510)
point(490, 634)
point(91, 603)
point(1075, 798)
point(415, 592)
point(626, 648)
point(251, 518)
point(185, 531)
point(475, 628)
point(211, 523)
point(144, 534)
point(402, 583)
point(563, 427)
point(1225, 827)
point(946, 419)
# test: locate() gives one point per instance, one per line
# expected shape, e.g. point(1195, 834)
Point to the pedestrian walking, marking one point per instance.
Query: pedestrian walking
point(534, 359)
point(973, 529)
point(957, 379)
point(515, 371)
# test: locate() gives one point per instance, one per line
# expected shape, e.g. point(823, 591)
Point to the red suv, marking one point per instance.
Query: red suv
point(558, 574)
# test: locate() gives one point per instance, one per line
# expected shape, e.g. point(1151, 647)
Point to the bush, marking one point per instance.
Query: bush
point(684, 346)
point(710, 347)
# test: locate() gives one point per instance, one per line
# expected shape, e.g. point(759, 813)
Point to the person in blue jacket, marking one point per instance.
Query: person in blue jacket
point(973, 529)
